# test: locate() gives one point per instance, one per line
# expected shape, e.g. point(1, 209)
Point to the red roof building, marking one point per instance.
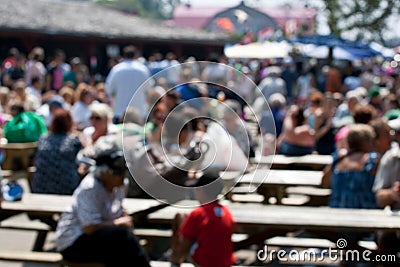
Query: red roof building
point(291, 20)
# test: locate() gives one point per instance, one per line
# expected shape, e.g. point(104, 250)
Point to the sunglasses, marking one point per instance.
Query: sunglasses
point(97, 118)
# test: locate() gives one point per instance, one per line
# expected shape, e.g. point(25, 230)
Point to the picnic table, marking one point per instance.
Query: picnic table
point(18, 156)
point(312, 161)
point(261, 221)
point(46, 207)
point(270, 182)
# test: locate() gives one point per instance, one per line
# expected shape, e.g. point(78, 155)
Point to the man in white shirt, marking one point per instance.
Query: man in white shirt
point(124, 81)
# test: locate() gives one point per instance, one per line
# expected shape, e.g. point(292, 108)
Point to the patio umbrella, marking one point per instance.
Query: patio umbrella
point(339, 53)
point(331, 41)
point(258, 50)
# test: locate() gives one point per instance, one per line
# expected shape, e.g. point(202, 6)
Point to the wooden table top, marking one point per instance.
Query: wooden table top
point(55, 204)
point(281, 161)
point(277, 177)
point(293, 218)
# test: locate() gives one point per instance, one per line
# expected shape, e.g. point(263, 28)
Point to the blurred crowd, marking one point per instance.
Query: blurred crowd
point(292, 106)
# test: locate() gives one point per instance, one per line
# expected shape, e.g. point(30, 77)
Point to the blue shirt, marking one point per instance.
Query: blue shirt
point(353, 189)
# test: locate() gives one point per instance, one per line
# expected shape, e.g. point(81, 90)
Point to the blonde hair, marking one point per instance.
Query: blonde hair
point(82, 90)
point(102, 110)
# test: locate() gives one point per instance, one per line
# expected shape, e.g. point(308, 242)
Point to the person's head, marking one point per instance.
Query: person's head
point(338, 97)
point(208, 186)
point(19, 88)
point(277, 101)
point(62, 122)
point(59, 56)
point(363, 113)
point(4, 95)
point(17, 108)
point(361, 138)
point(37, 83)
point(67, 93)
point(153, 96)
point(100, 115)
point(84, 93)
point(171, 99)
point(13, 52)
point(132, 115)
point(110, 168)
point(352, 99)
point(383, 138)
point(230, 111)
point(75, 64)
point(177, 128)
point(37, 54)
point(129, 52)
point(375, 95)
point(55, 103)
point(297, 115)
point(159, 113)
point(395, 126)
point(316, 99)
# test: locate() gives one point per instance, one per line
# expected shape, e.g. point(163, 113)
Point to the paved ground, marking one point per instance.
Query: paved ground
point(21, 240)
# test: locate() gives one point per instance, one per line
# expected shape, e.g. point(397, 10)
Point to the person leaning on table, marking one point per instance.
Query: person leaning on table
point(96, 228)
point(387, 189)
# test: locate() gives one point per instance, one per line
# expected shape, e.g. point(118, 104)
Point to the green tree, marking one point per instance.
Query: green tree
point(365, 19)
point(157, 9)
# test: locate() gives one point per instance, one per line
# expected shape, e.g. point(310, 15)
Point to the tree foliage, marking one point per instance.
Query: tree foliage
point(157, 9)
point(364, 19)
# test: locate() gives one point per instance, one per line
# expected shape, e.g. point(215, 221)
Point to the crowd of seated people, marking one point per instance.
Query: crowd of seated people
point(72, 111)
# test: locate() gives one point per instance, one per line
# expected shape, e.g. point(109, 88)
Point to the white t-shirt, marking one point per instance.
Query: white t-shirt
point(123, 82)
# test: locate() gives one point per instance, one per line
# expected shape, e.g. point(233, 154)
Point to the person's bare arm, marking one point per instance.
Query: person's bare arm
point(387, 197)
point(121, 221)
point(182, 250)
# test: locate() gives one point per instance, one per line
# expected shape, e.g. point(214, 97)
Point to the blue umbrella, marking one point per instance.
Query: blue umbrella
point(332, 41)
point(340, 53)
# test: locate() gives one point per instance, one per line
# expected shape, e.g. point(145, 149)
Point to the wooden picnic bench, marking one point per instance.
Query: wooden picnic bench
point(260, 221)
point(273, 183)
point(18, 156)
point(55, 258)
point(46, 207)
point(278, 161)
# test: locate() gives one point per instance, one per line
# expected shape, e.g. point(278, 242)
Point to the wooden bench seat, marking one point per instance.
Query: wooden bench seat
point(49, 258)
point(304, 242)
point(317, 196)
point(55, 258)
point(167, 233)
point(20, 225)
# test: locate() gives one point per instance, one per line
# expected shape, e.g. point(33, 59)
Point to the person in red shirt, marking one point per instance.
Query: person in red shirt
point(205, 234)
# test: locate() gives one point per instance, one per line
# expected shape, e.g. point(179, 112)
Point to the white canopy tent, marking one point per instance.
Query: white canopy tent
point(259, 50)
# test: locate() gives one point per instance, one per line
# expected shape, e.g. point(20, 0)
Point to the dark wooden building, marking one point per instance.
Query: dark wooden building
point(93, 32)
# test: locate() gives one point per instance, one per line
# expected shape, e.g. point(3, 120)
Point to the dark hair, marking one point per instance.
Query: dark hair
point(363, 113)
point(299, 116)
point(35, 79)
point(359, 135)
point(62, 122)
point(129, 51)
point(176, 122)
point(18, 107)
point(113, 159)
